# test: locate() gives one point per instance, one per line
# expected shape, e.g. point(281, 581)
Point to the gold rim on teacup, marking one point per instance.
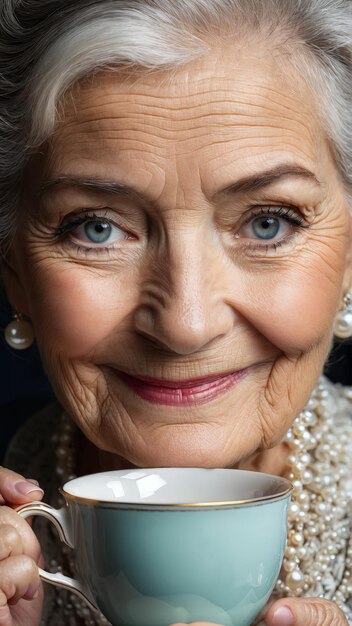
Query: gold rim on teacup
point(181, 505)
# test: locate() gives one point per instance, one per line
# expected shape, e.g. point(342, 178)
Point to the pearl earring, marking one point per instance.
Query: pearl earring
point(19, 333)
point(343, 320)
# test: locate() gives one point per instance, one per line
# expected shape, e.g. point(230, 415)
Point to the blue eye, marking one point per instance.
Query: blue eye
point(274, 225)
point(97, 232)
point(92, 232)
point(265, 227)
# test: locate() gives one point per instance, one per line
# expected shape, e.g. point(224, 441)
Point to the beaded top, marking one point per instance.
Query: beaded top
point(318, 557)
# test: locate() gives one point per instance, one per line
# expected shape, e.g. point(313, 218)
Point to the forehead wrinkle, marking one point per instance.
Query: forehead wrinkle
point(236, 156)
point(156, 96)
point(154, 133)
point(234, 106)
point(115, 143)
point(160, 127)
point(152, 123)
point(198, 77)
point(155, 130)
point(162, 102)
point(154, 120)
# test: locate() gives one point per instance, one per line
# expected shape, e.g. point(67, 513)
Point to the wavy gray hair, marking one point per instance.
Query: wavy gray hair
point(48, 45)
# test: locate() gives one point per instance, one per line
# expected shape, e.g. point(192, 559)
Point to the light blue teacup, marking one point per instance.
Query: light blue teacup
point(154, 547)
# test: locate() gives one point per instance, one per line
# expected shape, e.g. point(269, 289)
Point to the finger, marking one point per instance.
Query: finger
point(10, 542)
point(27, 541)
point(19, 578)
point(305, 612)
point(5, 616)
point(14, 489)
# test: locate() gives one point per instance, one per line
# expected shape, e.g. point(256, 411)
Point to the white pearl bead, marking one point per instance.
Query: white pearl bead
point(343, 324)
point(348, 393)
point(302, 552)
point(297, 539)
point(307, 477)
point(308, 417)
point(299, 466)
point(305, 458)
point(303, 497)
point(294, 579)
point(294, 512)
point(19, 334)
point(326, 480)
point(289, 566)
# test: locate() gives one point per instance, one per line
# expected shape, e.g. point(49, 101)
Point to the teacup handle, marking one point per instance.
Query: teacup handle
point(60, 519)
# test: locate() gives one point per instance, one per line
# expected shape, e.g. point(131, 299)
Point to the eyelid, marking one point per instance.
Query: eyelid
point(66, 232)
point(280, 210)
point(292, 215)
point(76, 219)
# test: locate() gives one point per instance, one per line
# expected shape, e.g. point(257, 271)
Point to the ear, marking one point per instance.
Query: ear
point(11, 277)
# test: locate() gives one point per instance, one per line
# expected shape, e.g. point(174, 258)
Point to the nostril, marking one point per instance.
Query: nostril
point(181, 326)
point(144, 320)
point(155, 343)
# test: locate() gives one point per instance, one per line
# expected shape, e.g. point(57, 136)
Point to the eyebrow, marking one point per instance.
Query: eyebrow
point(243, 185)
point(268, 177)
point(92, 184)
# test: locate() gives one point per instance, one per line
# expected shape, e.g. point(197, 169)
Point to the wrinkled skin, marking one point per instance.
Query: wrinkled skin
point(185, 288)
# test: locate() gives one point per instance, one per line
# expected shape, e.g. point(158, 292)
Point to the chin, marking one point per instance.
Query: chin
point(184, 450)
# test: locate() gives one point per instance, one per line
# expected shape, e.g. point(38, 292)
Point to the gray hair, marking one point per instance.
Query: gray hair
point(48, 45)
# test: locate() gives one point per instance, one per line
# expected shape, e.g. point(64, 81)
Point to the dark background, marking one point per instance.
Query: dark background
point(24, 388)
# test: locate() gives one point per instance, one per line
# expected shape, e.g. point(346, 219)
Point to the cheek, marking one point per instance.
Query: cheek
point(75, 310)
point(294, 308)
point(305, 308)
point(303, 312)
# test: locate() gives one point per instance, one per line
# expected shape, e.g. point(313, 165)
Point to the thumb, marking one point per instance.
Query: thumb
point(16, 490)
point(305, 612)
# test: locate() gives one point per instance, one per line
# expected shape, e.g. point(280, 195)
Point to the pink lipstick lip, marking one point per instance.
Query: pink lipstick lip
point(180, 384)
point(182, 392)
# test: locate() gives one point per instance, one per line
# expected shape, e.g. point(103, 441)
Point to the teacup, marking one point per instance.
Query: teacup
point(153, 547)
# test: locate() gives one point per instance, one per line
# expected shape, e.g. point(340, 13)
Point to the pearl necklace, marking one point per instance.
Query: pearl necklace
point(318, 556)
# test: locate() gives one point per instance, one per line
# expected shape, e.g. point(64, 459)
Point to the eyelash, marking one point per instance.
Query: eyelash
point(288, 213)
point(75, 221)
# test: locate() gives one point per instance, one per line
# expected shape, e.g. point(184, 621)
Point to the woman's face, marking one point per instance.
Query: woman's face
point(181, 255)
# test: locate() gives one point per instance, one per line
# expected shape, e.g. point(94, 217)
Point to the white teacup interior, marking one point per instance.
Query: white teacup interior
point(172, 486)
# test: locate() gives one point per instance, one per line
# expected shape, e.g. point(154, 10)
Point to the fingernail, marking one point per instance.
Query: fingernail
point(32, 480)
point(282, 617)
point(25, 488)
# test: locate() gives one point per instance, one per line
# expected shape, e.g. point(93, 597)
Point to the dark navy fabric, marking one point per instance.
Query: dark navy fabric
point(24, 388)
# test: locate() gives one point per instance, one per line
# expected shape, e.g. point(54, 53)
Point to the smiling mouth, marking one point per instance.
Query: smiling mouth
point(182, 392)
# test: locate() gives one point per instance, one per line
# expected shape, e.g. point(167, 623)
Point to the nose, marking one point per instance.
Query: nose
point(184, 306)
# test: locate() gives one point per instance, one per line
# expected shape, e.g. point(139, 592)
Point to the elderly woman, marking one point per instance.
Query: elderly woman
point(176, 232)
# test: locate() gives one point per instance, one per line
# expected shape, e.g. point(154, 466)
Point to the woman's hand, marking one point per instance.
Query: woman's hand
point(305, 612)
point(299, 612)
point(21, 591)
